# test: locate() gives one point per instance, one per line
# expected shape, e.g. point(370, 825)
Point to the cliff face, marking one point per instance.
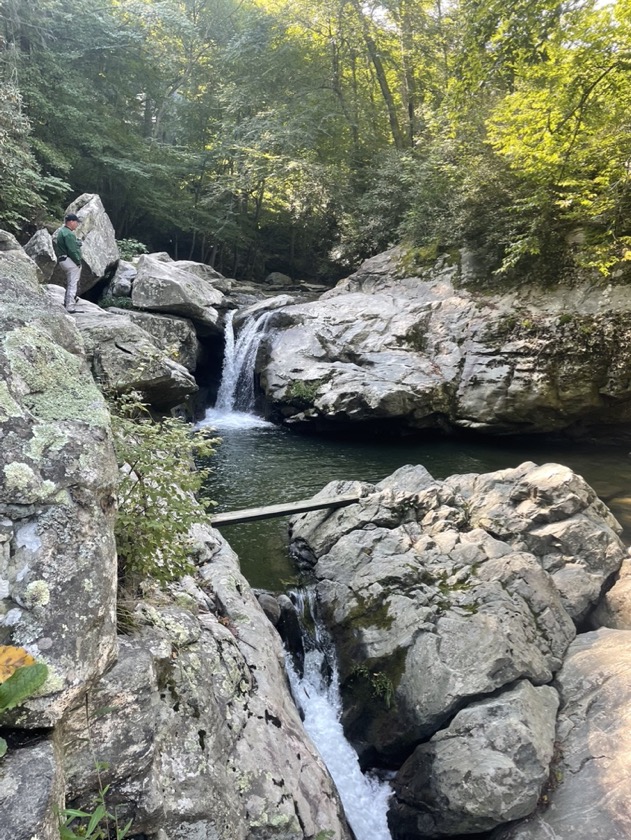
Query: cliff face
point(425, 352)
point(188, 720)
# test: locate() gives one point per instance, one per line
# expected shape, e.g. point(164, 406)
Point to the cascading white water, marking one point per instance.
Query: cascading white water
point(237, 378)
point(235, 398)
point(317, 695)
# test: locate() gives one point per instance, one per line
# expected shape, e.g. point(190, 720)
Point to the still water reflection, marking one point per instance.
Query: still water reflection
point(267, 465)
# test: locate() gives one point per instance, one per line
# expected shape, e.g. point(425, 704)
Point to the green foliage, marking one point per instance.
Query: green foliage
point(158, 494)
point(303, 137)
point(22, 684)
point(130, 248)
point(304, 392)
point(108, 301)
point(100, 824)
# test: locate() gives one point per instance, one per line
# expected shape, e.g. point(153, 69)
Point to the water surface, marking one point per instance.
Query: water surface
point(263, 465)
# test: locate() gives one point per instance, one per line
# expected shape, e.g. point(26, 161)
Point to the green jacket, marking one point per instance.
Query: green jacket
point(66, 244)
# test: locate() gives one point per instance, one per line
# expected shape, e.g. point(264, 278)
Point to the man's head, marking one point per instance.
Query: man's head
point(71, 221)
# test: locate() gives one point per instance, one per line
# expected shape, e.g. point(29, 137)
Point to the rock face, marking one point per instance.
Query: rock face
point(488, 767)
point(125, 357)
point(588, 793)
point(439, 594)
point(160, 286)
point(202, 738)
point(420, 352)
point(176, 335)
point(57, 480)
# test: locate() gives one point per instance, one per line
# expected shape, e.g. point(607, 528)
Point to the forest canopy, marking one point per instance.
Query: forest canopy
point(262, 135)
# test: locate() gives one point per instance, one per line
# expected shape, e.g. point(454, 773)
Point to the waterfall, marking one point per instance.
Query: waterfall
point(317, 695)
point(234, 405)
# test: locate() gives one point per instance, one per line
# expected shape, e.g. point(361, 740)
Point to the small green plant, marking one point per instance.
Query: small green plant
point(381, 685)
point(159, 491)
point(108, 302)
point(130, 248)
point(100, 824)
point(303, 392)
point(20, 677)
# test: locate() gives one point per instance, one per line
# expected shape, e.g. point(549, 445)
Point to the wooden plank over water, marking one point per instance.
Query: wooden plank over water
point(287, 509)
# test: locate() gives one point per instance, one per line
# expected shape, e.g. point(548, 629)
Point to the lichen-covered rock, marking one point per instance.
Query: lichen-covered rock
point(31, 792)
point(57, 481)
point(588, 795)
point(423, 352)
point(99, 252)
point(487, 768)
point(126, 357)
point(200, 735)
point(462, 579)
point(163, 287)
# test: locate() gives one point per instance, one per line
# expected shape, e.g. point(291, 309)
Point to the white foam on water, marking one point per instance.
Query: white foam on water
point(218, 419)
point(365, 799)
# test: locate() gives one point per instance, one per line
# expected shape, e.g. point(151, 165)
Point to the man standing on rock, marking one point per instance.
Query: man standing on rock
point(68, 250)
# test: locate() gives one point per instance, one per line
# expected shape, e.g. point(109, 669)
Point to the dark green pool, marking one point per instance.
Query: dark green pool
point(267, 465)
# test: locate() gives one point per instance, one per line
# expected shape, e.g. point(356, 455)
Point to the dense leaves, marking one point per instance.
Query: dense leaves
point(284, 135)
point(159, 492)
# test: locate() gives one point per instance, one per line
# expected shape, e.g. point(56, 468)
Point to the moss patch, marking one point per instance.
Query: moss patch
point(59, 385)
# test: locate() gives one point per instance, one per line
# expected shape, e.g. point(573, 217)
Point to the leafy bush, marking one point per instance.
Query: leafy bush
point(130, 248)
point(158, 494)
point(119, 302)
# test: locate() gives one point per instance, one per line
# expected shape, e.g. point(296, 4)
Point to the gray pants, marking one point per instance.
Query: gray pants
point(73, 273)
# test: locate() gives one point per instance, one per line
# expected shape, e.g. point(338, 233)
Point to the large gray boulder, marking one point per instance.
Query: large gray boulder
point(425, 352)
point(160, 286)
point(124, 357)
point(40, 249)
point(99, 253)
point(463, 579)
point(57, 481)
point(487, 768)
point(200, 736)
point(588, 793)
point(176, 336)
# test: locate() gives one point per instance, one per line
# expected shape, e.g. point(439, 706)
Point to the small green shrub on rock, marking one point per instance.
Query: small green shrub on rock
point(158, 494)
point(130, 248)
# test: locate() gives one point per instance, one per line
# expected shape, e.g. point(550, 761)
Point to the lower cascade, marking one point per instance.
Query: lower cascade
point(316, 693)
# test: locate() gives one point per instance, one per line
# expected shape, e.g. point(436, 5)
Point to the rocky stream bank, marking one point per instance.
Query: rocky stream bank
point(482, 623)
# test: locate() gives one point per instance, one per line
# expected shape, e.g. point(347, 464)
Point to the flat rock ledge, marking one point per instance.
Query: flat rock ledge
point(452, 605)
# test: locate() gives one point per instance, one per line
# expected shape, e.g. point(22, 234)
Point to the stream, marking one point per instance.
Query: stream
point(257, 464)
